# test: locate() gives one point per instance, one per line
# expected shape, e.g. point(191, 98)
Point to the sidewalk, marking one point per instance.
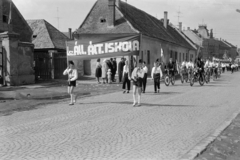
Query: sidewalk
point(55, 89)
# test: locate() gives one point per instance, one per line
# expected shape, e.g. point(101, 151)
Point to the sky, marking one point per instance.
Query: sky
point(219, 15)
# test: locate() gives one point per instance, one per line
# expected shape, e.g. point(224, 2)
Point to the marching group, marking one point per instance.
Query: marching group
point(139, 73)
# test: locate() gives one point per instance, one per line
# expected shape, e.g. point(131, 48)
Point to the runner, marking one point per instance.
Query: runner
point(137, 78)
point(156, 76)
point(126, 78)
point(72, 73)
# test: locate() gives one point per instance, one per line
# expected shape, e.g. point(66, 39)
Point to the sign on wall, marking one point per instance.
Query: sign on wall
point(94, 46)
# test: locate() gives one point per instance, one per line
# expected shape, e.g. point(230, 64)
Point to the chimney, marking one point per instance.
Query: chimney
point(180, 26)
point(117, 3)
point(211, 33)
point(165, 19)
point(111, 12)
point(70, 32)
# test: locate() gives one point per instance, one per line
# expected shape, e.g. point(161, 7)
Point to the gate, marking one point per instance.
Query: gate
point(42, 66)
point(60, 64)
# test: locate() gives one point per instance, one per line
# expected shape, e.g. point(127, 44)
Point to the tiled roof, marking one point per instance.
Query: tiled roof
point(66, 34)
point(17, 21)
point(138, 19)
point(145, 23)
point(230, 44)
point(45, 36)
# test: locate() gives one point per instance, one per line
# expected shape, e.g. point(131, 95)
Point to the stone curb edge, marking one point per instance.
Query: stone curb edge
point(201, 146)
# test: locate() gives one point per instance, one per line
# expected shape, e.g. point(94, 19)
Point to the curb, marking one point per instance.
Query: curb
point(202, 145)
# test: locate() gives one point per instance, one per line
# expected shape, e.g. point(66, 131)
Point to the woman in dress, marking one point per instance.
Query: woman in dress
point(72, 73)
point(98, 72)
point(137, 78)
point(126, 78)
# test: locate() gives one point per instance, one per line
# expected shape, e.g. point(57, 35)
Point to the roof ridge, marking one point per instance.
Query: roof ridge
point(56, 28)
point(44, 23)
point(165, 30)
point(87, 15)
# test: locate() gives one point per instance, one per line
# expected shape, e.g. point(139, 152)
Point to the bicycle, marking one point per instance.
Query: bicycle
point(169, 78)
point(196, 76)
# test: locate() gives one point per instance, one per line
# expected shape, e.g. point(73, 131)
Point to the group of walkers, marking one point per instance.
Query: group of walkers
point(139, 73)
point(107, 70)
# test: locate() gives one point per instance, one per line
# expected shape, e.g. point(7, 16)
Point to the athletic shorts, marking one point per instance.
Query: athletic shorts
point(72, 83)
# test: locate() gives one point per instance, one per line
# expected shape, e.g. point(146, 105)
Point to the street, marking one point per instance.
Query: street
point(176, 124)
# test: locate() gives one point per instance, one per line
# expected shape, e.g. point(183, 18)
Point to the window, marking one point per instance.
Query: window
point(183, 57)
point(176, 57)
point(102, 20)
point(171, 55)
point(191, 57)
point(5, 19)
point(187, 56)
point(148, 57)
point(180, 57)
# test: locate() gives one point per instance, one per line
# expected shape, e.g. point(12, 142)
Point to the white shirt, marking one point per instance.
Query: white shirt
point(157, 70)
point(207, 64)
point(184, 64)
point(137, 72)
point(125, 69)
point(145, 69)
point(72, 74)
point(189, 65)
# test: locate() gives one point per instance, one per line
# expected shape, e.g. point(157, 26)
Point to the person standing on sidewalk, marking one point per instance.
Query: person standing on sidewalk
point(156, 76)
point(104, 71)
point(126, 78)
point(137, 78)
point(72, 73)
point(120, 69)
point(98, 72)
point(145, 69)
point(114, 69)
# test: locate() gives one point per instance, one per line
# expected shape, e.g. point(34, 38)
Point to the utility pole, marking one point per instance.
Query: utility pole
point(58, 18)
point(179, 14)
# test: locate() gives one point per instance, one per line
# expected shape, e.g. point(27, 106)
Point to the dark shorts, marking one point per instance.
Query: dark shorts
point(72, 83)
point(138, 82)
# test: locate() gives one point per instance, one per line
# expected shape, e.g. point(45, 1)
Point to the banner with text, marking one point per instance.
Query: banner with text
point(92, 46)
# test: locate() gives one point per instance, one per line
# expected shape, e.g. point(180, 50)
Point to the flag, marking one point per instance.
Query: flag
point(10, 13)
point(161, 52)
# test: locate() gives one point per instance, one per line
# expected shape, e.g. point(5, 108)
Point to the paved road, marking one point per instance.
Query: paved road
point(168, 126)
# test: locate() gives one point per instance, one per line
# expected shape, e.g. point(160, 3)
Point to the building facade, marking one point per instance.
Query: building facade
point(16, 48)
point(158, 39)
